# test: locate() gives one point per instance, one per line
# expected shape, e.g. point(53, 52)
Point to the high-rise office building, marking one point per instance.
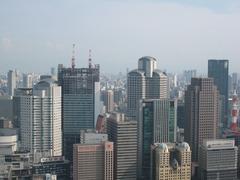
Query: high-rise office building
point(145, 82)
point(123, 133)
point(6, 107)
point(38, 113)
point(202, 113)
point(235, 77)
point(118, 95)
point(218, 70)
point(218, 160)
point(53, 71)
point(230, 85)
point(108, 100)
point(27, 81)
point(12, 82)
point(188, 75)
point(80, 102)
point(93, 161)
point(180, 114)
point(170, 161)
point(157, 121)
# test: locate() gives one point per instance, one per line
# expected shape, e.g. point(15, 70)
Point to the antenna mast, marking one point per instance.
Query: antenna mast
point(73, 57)
point(90, 59)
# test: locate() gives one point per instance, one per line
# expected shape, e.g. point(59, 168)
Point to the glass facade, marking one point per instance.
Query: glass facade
point(218, 70)
point(148, 123)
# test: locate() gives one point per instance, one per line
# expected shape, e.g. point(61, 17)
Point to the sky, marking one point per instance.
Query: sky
point(180, 34)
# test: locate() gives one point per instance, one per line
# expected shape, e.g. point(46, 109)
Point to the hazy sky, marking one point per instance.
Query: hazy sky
point(181, 34)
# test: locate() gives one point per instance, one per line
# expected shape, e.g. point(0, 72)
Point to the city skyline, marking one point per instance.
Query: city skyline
point(39, 35)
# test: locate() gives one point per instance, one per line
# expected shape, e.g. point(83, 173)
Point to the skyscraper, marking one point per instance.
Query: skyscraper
point(145, 82)
point(218, 160)
point(157, 121)
point(93, 161)
point(38, 113)
point(123, 133)
point(12, 78)
point(27, 81)
point(170, 161)
point(6, 107)
point(180, 114)
point(188, 75)
point(218, 70)
point(108, 100)
point(202, 113)
point(80, 102)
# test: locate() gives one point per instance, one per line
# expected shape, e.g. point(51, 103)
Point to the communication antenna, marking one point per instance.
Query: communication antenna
point(73, 57)
point(90, 59)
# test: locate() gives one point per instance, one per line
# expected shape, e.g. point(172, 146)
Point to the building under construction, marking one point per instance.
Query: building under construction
point(80, 101)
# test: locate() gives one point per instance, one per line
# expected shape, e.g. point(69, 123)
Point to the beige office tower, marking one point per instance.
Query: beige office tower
point(170, 161)
point(93, 161)
point(123, 133)
point(12, 82)
point(202, 113)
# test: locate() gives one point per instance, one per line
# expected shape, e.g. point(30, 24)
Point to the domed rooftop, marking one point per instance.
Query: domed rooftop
point(163, 146)
point(136, 72)
point(185, 146)
point(148, 58)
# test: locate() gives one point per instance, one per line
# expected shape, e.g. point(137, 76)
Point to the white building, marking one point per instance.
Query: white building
point(27, 81)
point(39, 117)
point(146, 82)
point(11, 82)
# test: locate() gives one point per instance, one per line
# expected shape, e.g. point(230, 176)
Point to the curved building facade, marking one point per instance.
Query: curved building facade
point(8, 141)
point(145, 82)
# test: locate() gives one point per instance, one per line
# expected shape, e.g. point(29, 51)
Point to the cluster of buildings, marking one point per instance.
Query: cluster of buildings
point(150, 126)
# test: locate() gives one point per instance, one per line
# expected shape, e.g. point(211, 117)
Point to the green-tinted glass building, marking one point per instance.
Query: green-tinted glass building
point(156, 124)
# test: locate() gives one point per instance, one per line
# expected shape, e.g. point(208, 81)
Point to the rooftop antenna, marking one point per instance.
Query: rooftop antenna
point(73, 57)
point(90, 59)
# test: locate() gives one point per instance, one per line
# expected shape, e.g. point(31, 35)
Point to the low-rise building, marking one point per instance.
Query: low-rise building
point(218, 160)
point(170, 161)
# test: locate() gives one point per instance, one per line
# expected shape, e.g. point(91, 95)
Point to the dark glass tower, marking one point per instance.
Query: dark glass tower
point(218, 70)
point(80, 103)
